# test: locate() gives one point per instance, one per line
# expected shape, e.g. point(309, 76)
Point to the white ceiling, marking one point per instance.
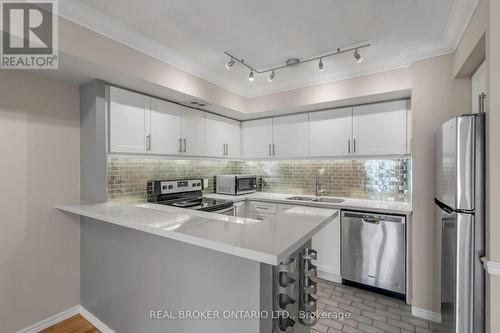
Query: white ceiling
point(193, 34)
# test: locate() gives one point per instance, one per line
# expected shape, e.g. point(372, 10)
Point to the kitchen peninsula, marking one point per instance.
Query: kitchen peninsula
point(140, 259)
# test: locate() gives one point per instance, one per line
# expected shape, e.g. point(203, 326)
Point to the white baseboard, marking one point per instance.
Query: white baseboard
point(95, 321)
point(61, 316)
point(46, 323)
point(491, 267)
point(325, 275)
point(426, 314)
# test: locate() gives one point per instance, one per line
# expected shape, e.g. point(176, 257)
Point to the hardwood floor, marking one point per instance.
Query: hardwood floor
point(75, 324)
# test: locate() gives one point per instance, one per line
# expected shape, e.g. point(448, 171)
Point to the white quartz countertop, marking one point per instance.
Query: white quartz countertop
point(268, 241)
point(390, 207)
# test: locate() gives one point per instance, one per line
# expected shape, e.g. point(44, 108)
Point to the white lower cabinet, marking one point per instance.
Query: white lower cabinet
point(327, 243)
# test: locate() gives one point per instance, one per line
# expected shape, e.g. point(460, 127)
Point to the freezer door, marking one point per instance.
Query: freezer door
point(457, 272)
point(455, 154)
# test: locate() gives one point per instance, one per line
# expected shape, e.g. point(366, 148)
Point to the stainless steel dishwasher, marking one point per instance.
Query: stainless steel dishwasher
point(373, 250)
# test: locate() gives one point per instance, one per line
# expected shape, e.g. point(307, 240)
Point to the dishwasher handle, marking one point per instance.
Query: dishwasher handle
point(371, 220)
point(374, 218)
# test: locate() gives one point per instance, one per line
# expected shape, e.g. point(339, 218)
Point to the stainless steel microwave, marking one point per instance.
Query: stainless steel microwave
point(236, 184)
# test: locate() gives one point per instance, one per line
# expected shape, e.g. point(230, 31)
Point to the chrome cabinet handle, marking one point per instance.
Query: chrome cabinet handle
point(349, 146)
point(482, 97)
point(148, 142)
point(180, 145)
point(223, 149)
point(270, 153)
point(354, 146)
point(227, 149)
point(185, 145)
point(274, 150)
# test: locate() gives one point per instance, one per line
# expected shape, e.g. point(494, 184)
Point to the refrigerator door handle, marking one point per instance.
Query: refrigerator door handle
point(444, 207)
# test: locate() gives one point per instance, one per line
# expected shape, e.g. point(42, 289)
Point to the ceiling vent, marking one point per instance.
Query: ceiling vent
point(196, 103)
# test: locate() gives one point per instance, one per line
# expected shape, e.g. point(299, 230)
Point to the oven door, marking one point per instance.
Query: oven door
point(246, 185)
point(227, 211)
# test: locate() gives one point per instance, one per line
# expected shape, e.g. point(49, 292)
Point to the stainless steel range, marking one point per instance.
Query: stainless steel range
point(186, 193)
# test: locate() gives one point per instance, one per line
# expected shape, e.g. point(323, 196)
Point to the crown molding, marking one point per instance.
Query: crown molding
point(81, 14)
point(102, 24)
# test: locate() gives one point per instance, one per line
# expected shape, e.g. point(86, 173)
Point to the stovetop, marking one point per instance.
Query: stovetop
point(184, 193)
point(199, 203)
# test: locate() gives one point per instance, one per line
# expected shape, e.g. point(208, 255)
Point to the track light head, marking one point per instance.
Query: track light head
point(250, 76)
point(271, 77)
point(320, 65)
point(230, 64)
point(358, 56)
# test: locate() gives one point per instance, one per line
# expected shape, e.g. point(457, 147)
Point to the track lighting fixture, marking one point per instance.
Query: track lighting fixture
point(230, 64)
point(271, 77)
point(292, 62)
point(357, 56)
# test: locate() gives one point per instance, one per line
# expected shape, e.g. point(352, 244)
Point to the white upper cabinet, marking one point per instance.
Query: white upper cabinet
point(330, 132)
point(193, 132)
point(291, 136)
point(165, 127)
point(223, 136)
point(380, 129)
point(257, 136)
point(233, 148)
point(129, 121)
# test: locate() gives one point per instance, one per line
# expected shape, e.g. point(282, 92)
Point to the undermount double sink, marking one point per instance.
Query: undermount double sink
point(316, 199)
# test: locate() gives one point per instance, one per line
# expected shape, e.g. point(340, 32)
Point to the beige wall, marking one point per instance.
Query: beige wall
point(436, 97)
point(467, 57)
point(493, 173)
point(39, 246)
point(350, 89)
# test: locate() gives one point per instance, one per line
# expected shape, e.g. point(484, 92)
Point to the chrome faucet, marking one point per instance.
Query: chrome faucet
point(319, 183)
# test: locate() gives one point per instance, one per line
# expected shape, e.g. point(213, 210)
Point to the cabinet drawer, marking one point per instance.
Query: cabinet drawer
point(262, 207)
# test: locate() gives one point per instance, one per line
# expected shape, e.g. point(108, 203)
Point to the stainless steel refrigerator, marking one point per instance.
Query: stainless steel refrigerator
point(460, 189)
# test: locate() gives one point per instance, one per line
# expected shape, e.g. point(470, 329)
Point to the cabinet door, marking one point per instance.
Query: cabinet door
point(327, 243)
point(193, 132)
point(233, 138)
point(291, 136)
point(330, 132)
point(223, 137)
point(257, 137)
point(129, 122)
point(216, 138)
point(165, 127)
point(380, 129)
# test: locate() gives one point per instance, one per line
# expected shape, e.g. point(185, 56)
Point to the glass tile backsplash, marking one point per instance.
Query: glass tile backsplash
point(365, 179)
